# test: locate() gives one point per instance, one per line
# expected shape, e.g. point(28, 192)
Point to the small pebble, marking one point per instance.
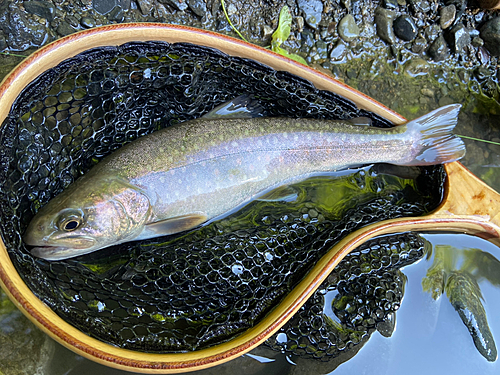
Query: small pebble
point(338, 52)
point(384, 19)
point(405, 28)
point(458, 38)
point(438, 50)
point(65, 28)
point(419, 45)
point(427, 92)
point(447, 16)
point(312, 11)
point(87, 22)
point(347, 28)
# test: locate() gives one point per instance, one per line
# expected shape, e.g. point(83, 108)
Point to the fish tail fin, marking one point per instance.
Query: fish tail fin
point(436, 144)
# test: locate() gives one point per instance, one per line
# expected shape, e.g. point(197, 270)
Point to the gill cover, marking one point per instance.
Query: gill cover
point(88, 216)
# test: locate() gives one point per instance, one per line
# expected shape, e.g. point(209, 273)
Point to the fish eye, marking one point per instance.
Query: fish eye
point(70, 221)
point(71, 225)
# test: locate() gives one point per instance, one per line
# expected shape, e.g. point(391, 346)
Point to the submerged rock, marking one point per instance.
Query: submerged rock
point(490, 33)
point(312, 10)
point(405, 28)
point(384, 19)
point(42, 9)
point(65, 28)
point(348, 30)
point(103, 6)
point(438, 50)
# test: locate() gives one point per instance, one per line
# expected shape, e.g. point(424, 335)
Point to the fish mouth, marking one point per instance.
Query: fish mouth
point(53, 252)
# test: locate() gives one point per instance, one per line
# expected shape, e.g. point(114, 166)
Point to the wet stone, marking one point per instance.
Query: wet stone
point(477, 42)
point(348, 30)
point(421, 5)
point(447, 16)
point(3, 43)
point(199, 7)
point(438, 50)
point(312, 11)
point(458, 37)
point(405, 28)
point(384, 19)
point(177, 4)
point(72, 20)
point(15, 26)
point(490, 33)
point(390, 4)
point(116, 14)
point(419, 45)
point(146, 6)
point(103, 6)
point(65, 28)
point(42, 9)
point(87, 22)
point(338, 52)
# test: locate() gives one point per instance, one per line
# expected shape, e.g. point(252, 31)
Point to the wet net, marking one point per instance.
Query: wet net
point(196, 289)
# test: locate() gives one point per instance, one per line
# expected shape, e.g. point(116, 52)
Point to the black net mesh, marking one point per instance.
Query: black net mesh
point(360, 296)
point(194, 290)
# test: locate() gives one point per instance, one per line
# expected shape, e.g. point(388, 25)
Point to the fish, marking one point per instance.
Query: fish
point(192, 173)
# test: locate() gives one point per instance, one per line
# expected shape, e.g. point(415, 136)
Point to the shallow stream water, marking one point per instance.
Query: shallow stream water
point(430, 337)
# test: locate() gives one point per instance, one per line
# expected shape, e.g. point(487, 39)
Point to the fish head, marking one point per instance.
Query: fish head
point(88, 216)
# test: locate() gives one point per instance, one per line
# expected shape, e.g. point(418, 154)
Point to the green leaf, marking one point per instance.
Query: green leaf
point(283, 31)
point(292, 56)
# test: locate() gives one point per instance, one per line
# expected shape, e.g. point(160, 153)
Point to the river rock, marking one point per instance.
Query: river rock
point(199, 7)
point(87, 22)
point(42, 9)
point(458, 37)
point(312, 11)
point(103, 6)
point(384, 19)
point(390, 4)
point(447, 16)
point(177, 4)
point(65, 28)
point(405, 28)
point(490, 33)
point(438, 50)
point(146, 6)
point(347, 28)
point(116, 14)
point(3, 42)
point(16, 28)
point(338, 52)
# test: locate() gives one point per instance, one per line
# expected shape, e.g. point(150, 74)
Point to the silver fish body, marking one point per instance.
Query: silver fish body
point(182, 176)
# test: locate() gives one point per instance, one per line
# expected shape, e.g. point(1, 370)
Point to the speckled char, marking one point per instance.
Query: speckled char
point(184, 175)
point(214, 166)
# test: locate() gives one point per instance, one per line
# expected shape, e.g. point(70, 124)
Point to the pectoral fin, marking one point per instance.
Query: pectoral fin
point(281, 194)
point(175, 224)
